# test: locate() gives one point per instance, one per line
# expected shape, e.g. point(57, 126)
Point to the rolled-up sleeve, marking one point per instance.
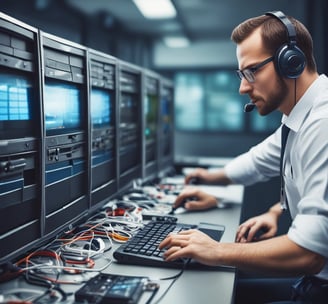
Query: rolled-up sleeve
point(259, 164)
point(311, 232)
point(242, 170)
point(308, 187)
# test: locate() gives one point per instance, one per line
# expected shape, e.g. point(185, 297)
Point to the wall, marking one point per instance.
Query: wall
point(198, 54)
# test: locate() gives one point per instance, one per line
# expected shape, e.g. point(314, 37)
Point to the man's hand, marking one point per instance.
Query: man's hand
point(266, 224)
point(195, 199)
point(199, 174)
point(191, 244)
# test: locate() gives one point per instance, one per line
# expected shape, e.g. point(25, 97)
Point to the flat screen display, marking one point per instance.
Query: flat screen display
point(129, 109)
point(101, 109)
point(215, 105)
point(16, 99)
point(151, 110)
point(166, 115)
point(62, 108)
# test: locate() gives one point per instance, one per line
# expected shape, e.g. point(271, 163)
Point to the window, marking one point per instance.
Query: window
point(209, 101)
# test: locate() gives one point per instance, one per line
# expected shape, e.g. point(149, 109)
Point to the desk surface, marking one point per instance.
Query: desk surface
point(193, 286)
point(206, 286)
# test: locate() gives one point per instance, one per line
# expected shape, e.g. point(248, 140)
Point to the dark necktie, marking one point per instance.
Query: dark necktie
point(284, 134)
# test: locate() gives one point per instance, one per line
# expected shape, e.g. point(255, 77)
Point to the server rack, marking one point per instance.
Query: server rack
point(166, 128)
point(151, 97)
point(20, 138)
point(66, 129)
point(103, 117)
point(130, 124)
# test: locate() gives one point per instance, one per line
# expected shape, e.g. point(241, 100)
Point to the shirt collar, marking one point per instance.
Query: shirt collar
point(300, 111)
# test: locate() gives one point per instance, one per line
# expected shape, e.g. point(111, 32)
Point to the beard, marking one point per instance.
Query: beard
point(274, 100)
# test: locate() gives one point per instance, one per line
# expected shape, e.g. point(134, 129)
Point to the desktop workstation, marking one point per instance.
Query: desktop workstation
point(78, 129)
point(208, 285)
point(36, 171)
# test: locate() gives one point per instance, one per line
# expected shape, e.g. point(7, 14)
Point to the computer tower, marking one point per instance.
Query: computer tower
point(151, 99)
point(103, 116)
point(130, 124)
point(20, 138)
point(166, 128)
point(66, 129)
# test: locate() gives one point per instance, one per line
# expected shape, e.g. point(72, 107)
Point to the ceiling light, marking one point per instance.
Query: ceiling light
point(156, 9)
point(176, 41)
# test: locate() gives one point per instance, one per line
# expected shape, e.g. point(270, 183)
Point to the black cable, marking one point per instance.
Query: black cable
point(34, 279)
point(174, 279)
point(155, 288)
point(295, 92)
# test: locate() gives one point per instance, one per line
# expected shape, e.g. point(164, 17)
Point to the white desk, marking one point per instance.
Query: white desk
point(207, 286)
point(201, 286)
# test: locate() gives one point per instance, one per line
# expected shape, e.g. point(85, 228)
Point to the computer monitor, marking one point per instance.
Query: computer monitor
point(101, 108)
point(151, 118)
point(16, 105)
point(102, 104)
point(62, 107)
point(166, 114)
point(215, 109)
point(20, 138)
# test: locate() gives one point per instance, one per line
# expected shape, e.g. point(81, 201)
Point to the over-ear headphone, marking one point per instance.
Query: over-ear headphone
point(289, 59)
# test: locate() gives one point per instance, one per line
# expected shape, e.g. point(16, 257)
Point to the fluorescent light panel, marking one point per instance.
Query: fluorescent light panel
point(176, 42)
point(156, 9)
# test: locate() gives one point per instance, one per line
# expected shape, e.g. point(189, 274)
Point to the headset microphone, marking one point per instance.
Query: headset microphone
point(249, 107)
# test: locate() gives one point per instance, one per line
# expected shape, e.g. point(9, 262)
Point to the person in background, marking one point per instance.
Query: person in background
point(277, 70)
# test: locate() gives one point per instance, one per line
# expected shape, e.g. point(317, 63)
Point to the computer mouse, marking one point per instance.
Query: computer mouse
point(194, 181)
point(147, 204)
point(136, 190)
point(135, 196)
point(188, 199)
point(183, 203)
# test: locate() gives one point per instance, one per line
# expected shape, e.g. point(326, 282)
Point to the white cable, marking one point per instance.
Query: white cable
point(47, 266)
point(13, 291)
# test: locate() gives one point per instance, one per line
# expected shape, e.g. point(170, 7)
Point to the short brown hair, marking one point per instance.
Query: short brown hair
point(274, 35)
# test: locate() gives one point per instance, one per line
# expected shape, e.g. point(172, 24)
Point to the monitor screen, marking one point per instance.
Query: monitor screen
point(151, 106)
point(62, 108)
point(15, 106)
point(130, 141)
point(215, 105)
point(166, 115)
point(129, 109)
point(101, 109)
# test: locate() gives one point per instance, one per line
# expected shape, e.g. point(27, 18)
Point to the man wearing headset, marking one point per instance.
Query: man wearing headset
point(278, 72)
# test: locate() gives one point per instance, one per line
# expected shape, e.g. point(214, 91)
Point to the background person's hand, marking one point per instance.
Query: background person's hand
point(192, 198)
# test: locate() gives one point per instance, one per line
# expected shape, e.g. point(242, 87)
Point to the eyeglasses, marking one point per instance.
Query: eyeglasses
point(249, 73)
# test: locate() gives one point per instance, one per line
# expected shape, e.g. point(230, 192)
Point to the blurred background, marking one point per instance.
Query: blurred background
point(189, 43)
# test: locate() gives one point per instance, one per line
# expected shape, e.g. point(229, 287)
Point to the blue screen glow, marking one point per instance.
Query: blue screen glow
point(100, 107)
point(14, 98)
point(62, 106)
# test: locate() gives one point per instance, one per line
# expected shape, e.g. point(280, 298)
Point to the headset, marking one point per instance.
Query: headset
point(289, 59)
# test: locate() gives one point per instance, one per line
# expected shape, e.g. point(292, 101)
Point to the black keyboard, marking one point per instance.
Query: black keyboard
point(142, 248)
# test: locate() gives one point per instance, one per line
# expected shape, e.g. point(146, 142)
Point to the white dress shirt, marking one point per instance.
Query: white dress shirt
point(305, 168)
